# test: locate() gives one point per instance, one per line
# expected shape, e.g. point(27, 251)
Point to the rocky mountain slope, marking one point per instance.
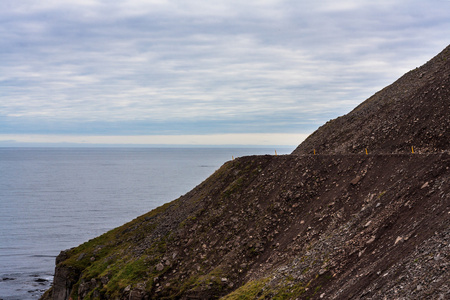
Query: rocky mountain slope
point(335, 225)
point(412, 112)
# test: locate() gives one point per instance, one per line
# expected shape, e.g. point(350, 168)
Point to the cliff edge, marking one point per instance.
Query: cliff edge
point(337, 225)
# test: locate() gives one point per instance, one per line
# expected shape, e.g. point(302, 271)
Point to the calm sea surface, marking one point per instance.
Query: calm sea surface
point(53, 199)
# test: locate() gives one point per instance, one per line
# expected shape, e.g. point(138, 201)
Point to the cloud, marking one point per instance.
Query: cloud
point(199, 140)
point(155, 67)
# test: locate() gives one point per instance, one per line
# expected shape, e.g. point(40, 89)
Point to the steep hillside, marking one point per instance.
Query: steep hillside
point(412, 112)
point(289, 226)
point(336, 225)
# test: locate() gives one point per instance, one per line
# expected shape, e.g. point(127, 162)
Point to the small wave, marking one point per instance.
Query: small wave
point(7, 278)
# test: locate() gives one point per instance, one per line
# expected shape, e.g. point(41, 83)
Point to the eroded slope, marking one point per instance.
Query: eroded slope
point(339, 226)
point(412, 112)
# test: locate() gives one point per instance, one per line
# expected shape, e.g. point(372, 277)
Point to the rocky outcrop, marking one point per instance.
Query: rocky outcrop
point(326, 226)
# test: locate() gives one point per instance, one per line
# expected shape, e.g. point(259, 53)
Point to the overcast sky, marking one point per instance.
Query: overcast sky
point(202, 72)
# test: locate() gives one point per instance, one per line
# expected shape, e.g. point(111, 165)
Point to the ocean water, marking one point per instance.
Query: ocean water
point(53, 199)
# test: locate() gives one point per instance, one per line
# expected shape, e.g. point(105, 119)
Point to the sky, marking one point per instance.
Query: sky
point(266, 72)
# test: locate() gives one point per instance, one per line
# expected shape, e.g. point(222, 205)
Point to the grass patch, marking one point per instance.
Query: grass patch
point(381, 194)
point(251, 290)
point(262, 289)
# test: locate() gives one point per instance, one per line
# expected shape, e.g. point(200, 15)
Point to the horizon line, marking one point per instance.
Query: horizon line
point(206, 140)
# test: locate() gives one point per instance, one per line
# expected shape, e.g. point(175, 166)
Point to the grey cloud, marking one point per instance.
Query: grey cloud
point(219, 62)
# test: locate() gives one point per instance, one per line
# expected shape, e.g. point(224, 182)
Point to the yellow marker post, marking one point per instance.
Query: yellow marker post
point(232, 157)
point(276, 153)
point(314, 151)
point(412, 149)
point(366, 152)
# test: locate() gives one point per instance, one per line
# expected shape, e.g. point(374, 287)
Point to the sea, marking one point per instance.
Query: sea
point(53, 199)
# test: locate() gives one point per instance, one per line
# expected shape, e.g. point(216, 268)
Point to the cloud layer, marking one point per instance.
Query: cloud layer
point(168, 67)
